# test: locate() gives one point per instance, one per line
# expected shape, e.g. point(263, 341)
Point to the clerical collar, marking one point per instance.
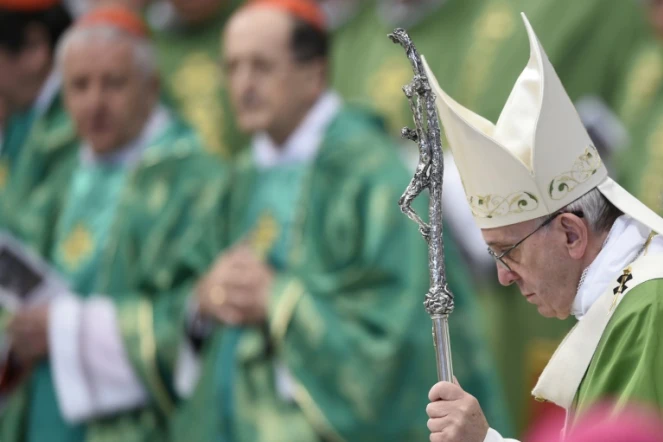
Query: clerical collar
point(623, 245)
point(130, 153)
point(303, 144)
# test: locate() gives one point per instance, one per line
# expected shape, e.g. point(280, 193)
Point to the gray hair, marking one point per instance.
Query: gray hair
point(595, 208)
point(144, 55)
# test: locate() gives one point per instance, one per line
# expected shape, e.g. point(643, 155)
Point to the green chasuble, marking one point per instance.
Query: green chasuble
point(34, 146)
point(134, 234)
point(477, 49)
point(628, 362)
point(347, 352)
point(193, 80)
point(16, 131)
point(89, 210)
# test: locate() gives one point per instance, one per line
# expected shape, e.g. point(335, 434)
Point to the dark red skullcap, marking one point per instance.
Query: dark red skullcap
point(116, 16)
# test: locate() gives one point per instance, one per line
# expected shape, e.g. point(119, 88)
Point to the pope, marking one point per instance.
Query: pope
point(569, 237)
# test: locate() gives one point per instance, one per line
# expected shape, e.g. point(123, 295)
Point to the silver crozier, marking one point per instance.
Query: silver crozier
point(439, 300)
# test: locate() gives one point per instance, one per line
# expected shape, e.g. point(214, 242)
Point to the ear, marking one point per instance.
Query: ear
point(577, 235)
point(322, 73)
point(316, 76)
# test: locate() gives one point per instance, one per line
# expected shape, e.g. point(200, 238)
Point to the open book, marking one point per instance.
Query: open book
point(25, 279)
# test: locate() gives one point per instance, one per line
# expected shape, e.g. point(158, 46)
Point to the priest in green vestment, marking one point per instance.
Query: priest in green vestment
point(122, 224)
point(476, 48)
point(187, 35)
point(319, 298)
point(36, 132)
point(570, 238)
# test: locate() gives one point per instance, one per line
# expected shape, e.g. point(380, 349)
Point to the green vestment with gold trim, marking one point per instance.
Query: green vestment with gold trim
point(477, 49)
point(346, 327)
point(33, 147)
point(136, 235)
point(628, 362)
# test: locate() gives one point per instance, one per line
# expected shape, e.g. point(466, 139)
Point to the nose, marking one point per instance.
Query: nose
point(94, 97)
point(242, 79)
point(505, 276)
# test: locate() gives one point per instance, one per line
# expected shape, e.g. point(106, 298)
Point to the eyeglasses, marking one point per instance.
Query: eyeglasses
point(500, 258)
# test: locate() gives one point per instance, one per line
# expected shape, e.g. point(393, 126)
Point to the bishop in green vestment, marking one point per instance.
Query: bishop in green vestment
point(476, 48)
point(570, 238)
point(37, 134)
point(121, 223)
point(321, 327)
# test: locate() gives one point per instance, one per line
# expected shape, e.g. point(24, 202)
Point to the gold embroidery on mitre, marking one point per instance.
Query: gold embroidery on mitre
point(583, 169)
point(264, 235)
point(4, 174)
point(489, 206)
point(77, 247)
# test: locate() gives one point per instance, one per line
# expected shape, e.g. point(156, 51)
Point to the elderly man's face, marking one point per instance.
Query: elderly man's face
point(107, 94)
point(270, 90)
point(543, 267)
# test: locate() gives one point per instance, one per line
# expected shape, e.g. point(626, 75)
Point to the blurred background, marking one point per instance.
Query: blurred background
point(608, 54)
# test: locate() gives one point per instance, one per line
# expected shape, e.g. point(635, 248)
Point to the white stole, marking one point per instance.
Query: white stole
point(561, 378)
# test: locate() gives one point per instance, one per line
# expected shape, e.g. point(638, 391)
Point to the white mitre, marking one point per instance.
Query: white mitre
point(537, 159)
